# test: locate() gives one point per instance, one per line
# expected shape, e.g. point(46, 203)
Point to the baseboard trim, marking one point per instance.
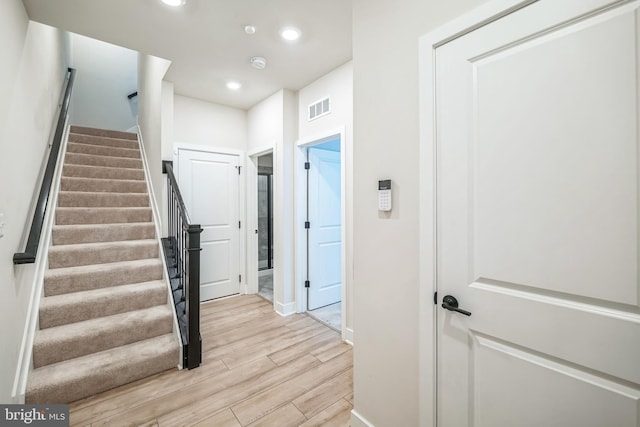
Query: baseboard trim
point(348, 335)
point(285, 310)
point(358, 420)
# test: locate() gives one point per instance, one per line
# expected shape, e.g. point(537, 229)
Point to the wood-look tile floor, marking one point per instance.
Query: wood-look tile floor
point(258, 369)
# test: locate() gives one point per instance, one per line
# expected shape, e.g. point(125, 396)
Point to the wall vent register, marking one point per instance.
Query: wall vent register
point(319, 108)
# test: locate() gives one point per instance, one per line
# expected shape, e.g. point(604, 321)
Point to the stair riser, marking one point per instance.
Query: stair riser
point(103, 161)
point(137, 326)
point(101, 132)
point(97, 150)
point(62, 283)
point(71, 256)
point(68, 216)
point(103, 141)
point(102, 185)
point(80, 171)
point(109, 374)
point(78, 307)
point(102, 233)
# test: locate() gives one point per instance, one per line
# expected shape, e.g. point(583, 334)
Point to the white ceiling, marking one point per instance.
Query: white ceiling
point(206, 42)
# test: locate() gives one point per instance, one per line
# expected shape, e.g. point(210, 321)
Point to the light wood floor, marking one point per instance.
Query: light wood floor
point(258, 369)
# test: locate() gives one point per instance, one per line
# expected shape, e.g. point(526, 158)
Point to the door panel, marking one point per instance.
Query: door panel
point(209, 183)
point(537, 218)
point(536, 389)
point(325, 234)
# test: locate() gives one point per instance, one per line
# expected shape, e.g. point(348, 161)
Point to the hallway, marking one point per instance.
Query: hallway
point(258, 369)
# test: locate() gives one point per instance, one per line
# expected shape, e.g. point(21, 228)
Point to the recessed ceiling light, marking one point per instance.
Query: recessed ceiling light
point(234, 85)
point(250, 29)
point(258, 62)
point(174, 3)
point(290, 33)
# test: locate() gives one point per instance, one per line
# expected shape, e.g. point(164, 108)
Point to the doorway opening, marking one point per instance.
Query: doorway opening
point(323, 228)
point(265, 226)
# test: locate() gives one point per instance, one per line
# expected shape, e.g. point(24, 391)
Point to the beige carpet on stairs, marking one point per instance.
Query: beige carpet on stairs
point(104, 320)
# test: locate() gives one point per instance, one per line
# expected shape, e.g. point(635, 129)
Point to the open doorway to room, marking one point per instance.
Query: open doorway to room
point(323, 226)
point(265, 226)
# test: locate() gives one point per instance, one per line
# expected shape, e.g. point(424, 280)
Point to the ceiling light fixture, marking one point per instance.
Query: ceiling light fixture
point(234, 85)
point(258, 62)
point(250, 29)
point(174, 3)
point(290, 34)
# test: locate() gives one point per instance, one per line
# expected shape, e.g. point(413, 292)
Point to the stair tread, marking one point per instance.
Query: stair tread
point(67, 308)
point(108, 141)
point(128, 152)
point(82, 159)
point(91, 268)
point(92, 327)
point(141, 208)
point(89, 179)
point(103, 169)
point(103, 226)
point(102, 245)
point(75, 254)
point(86, 375)
point(72, 340)
point(85, 130)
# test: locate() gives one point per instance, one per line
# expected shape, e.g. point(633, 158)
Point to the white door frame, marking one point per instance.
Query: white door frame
point(301, 214)
point(252, 218)
point(242, 209)
point(428, 43)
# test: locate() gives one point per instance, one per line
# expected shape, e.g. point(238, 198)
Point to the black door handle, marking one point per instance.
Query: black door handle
point(451, 303)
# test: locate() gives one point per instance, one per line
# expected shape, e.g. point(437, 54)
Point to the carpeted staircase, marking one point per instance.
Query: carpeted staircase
point(104, 318)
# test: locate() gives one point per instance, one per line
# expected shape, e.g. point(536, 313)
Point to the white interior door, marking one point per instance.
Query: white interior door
point(209, 183)
point(537, 219)
point(325, 236)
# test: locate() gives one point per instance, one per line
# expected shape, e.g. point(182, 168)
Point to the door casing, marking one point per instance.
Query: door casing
point(251, 285)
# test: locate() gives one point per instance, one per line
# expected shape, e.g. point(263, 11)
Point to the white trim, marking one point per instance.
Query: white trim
point(25, 360)
point(300, 217)
point(207, 149)
point(285, 310)
point(347, 336)
point(261, 151)
point(157, 222)
point(428, 43)
point(358, 420)
point(242, 203)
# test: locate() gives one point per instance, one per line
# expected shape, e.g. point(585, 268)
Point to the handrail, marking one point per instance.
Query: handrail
point(31, 250)
point(182, 252)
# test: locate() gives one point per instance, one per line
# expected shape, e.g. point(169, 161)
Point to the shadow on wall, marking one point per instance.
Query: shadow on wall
point(106, 75)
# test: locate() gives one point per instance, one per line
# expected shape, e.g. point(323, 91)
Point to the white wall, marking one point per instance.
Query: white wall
point(105, 75)
point(272, 123)
point(34, 62)
point(204, 123)
point(264, 125)
point(151, 71)
point(338, 85)
point(386, 145)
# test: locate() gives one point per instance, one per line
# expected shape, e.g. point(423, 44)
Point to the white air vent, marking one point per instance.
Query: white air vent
point(319, 108)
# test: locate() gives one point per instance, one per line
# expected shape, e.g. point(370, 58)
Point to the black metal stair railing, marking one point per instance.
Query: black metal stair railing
point(33, 241)
point(182, 254)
